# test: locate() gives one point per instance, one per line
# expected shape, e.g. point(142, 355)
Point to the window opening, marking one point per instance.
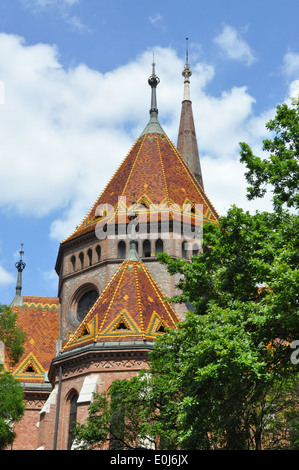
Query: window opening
point(73, 419)
point(85, 303)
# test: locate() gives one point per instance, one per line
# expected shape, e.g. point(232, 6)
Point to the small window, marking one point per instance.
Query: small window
point(159, 246)
point(121, 250)
point(98, 251)
point(146, 252)
point(72, 419)
point(81, 258)
point(89, 254)
point(73, 261)
point(184, 250)
point(29, 369)
point(85, 303)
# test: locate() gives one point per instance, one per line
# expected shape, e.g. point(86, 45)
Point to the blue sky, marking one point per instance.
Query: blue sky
point(74, 98)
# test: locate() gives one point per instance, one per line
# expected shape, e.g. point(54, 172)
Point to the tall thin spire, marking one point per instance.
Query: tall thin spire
point(187, 74)
point(20, 265)
point(187, 141)
point(153, 126)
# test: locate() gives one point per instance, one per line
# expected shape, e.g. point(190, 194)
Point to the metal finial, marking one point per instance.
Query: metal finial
point(153, 81)
point(153, 126)
point(187, 74)
point(20, 265)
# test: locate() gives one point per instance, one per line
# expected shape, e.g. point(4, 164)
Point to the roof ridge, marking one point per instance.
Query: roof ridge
point(103, 190)
point(133, 166)
point(138, 298)
point(124, 265)
point(163, 170)
point(158, 292)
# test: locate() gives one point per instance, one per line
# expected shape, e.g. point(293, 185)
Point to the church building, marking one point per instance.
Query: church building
point(110, 305)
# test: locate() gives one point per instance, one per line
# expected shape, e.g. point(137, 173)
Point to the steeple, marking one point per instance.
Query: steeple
point(153, 126)
point(20, 265)
point(187, 141)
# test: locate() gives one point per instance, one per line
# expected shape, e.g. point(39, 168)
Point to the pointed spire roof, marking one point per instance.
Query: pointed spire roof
point(20, 265)
point(153, 125)
point(131, 308)
point(153, 174)
point(187, 141)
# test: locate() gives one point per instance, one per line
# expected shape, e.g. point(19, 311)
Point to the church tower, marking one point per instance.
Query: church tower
point(154, 181)
point(111, 303)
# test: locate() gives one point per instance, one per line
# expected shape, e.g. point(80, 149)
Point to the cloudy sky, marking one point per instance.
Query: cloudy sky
point(74, 98)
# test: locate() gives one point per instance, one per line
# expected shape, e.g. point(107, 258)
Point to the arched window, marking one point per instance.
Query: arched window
point(121, 250)
point(73, 261)
point(85, 303)
point(184, 250)
point(89, 254)
point(72, 418)
point(146, 249)
point(98, 250)
point(81, 258)
point(159, 246)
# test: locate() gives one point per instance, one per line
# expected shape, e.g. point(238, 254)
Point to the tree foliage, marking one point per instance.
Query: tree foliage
point(12, 406)
point(280, 169)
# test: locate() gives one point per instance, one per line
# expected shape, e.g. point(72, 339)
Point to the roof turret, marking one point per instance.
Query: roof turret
point(132, 307)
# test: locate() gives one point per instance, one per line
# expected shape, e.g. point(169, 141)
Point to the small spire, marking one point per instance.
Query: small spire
point(187, 74)
point(20, 265)
point(154, 81)
point(153, 126)
point(187, 141)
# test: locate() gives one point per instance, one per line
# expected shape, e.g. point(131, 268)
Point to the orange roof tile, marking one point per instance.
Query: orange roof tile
point(154, 170)
point(39, 319)
point(131, 308)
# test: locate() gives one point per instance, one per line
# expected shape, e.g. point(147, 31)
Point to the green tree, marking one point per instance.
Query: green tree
point(280, 169)
point(11, 335)
point(233, 350)
point(12, 406)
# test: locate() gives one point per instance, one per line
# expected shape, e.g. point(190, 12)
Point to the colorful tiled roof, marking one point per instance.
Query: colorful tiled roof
point(131, 308)
point(155, 172)
point(39, 319)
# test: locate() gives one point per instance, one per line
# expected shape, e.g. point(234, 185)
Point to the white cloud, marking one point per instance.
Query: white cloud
point(5, 277)
point(158, 22)
point(291, 65)
point(42, 4)
point(2, 92)
point(62, 7)
point(290, 69)
point(233, 45)
point(294, 89)
point(64, 132)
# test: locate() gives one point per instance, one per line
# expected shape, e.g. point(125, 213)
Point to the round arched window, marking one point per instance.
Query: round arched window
point(86, 302)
